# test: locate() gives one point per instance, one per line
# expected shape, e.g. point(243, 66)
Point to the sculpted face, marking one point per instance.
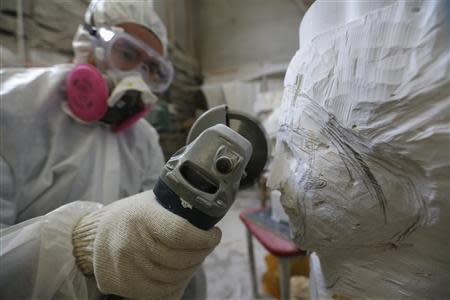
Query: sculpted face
point(339, 189)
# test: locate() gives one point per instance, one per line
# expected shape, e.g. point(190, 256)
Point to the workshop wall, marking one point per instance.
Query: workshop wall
point(245, 37)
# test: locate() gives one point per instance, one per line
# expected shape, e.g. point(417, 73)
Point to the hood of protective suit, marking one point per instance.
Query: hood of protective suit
point(109, 13)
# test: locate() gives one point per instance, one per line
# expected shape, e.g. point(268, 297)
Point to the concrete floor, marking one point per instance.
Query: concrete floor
point(227, 268)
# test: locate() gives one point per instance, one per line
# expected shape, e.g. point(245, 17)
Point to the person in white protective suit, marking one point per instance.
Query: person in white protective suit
point(71, 145)
point(362, 155)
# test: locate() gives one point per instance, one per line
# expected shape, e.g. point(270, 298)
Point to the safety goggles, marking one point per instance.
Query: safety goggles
point(123, 53)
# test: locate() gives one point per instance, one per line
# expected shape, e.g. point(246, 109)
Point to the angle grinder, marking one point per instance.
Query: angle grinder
point(225, 150)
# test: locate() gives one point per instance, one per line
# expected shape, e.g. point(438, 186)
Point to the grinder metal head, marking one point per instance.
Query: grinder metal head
point(200, 181)
point(246, 126)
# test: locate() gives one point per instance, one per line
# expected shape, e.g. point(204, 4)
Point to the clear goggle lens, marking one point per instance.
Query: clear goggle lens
point(128, 54)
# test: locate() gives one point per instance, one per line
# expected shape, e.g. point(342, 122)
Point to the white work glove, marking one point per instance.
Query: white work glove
point(137, 249)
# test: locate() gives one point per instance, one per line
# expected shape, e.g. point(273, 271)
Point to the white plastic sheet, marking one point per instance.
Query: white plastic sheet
point(362, 155)
point(37, 260)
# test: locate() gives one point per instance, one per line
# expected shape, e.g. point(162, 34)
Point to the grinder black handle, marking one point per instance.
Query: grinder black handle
point(169, 200)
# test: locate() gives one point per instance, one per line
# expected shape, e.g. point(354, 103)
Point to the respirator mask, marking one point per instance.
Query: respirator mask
point(132, 69)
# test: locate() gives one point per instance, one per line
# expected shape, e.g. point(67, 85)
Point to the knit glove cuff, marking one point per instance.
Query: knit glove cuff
point(83, 237)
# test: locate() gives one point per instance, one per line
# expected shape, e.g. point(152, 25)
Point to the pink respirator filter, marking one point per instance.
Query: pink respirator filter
point(87, 93)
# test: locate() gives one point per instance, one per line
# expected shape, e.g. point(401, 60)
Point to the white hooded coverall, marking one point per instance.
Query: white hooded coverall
point(47, 160)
